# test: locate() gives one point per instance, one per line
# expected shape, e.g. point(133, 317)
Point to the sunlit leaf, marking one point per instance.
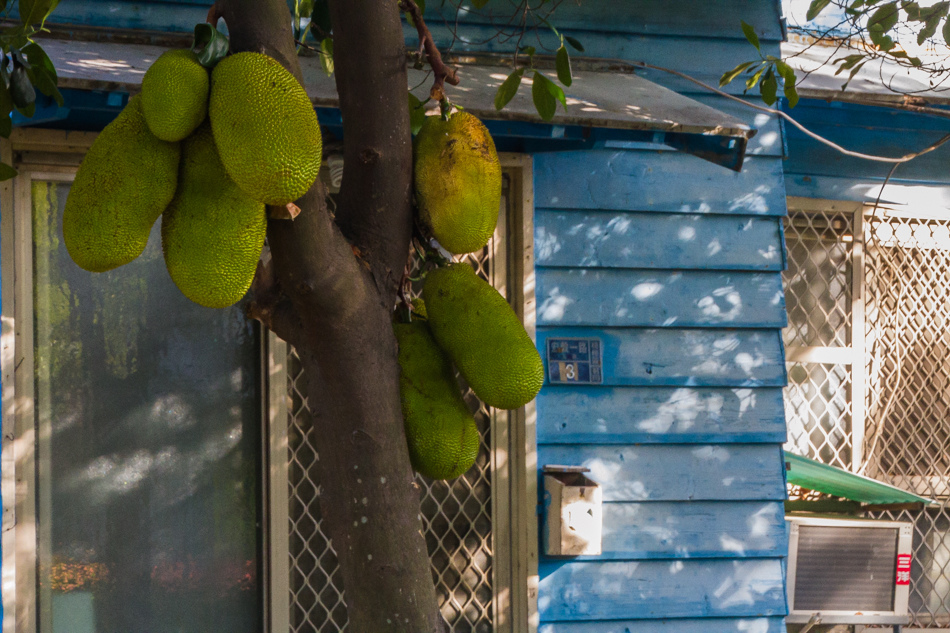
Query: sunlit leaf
point(508, 88)
point(752, 81)
point(728, 76)
point(544, 100)
point(563, 62)
point(326, 55)
point(750, 34)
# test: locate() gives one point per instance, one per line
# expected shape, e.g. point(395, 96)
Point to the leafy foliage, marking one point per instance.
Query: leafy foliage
point(764, 72)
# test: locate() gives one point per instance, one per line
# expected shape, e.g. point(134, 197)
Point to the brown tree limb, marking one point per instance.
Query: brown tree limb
point(441, 72)
point(214, 14)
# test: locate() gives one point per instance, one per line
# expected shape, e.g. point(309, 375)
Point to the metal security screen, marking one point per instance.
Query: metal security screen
point(868, 297)
point(461, 523)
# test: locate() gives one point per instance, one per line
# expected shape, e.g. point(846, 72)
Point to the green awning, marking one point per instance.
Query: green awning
point(813, 475)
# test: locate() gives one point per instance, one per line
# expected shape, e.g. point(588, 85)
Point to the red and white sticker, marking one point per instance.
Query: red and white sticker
point(903, 569)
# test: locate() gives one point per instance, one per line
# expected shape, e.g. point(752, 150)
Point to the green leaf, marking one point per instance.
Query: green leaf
point(36, 11)
point(478, 4)
point(528, 50)
point(574, 43)
point(508, 88)
point(848, 62)
point(6, 172)
point(751, 82)
point(209, 44)
point(728, 76)
point(946, 31)
point(326, 55)
point(854, 71)
point(6, 108)
point(305, 7)
point(42, 73)
point(884, 19)
point(816, 7)
point(791, 93)
point(417, 113)
point(21, 89)
point(788, 82)
point(544, 100)
point(750, 34)
point(563, 62)
point(769, 87)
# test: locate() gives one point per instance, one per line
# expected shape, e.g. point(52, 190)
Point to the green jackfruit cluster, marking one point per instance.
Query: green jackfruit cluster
point(265, 128)
point(261, 145)
point(212, 233)
point(440, 431)
point(457, 180)
point(483, 336)
point(124, 183)
point(175, 95)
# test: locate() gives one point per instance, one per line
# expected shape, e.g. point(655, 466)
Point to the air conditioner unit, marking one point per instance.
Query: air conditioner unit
point(848, 571)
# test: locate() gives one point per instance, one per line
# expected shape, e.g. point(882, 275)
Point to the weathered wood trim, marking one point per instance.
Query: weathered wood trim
point(277, 519)
point(8, 461)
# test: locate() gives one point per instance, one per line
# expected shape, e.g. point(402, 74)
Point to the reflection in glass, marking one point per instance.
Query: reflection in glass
point(147, 410)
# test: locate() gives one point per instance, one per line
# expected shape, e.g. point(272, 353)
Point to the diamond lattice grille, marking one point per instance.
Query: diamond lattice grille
point(908, 376)
point(457, 520)
point(818, 299)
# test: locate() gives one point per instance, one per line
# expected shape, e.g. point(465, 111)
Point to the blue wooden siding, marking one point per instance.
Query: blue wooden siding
point(675, 264)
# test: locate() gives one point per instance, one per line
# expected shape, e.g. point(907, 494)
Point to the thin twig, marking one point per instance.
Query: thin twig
point(442, 72)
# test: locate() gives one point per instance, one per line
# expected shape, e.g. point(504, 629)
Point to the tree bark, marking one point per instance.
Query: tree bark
point(343, 303)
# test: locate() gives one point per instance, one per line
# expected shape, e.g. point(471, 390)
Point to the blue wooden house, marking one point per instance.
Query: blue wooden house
point(136, 496)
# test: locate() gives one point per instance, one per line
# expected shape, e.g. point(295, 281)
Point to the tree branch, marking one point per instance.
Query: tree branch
point(442, 72)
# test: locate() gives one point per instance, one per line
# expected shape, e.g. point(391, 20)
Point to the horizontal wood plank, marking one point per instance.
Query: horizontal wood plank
point(617, 239)
point(708, 625)
point(624, 180)
point(687, 358)
point(637, 415)
point(655, 589)
point(660, 298)
point(678, 472)
point(914, 195)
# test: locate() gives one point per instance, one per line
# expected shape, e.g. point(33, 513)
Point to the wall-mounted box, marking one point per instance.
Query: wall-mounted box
point(574, 512)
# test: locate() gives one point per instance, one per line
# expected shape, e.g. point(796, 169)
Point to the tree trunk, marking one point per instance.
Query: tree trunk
point(339, 287)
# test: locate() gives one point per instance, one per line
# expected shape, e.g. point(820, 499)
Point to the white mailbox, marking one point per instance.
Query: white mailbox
point(574, 512)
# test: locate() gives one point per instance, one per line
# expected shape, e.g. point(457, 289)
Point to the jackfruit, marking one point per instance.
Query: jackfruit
point(124, 183)
point(265, 128)
point(212, 233)
point(483, 336)
point(457, 179)
point(175, 95)
point(441, 433)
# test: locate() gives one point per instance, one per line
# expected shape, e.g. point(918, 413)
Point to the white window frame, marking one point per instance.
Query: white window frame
point(55, 155)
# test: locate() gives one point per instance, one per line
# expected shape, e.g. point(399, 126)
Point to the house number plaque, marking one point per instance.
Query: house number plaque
point(575, 361)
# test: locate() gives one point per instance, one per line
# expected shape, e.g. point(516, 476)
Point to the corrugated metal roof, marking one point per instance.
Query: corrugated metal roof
point(607, 100)
point(813, 475)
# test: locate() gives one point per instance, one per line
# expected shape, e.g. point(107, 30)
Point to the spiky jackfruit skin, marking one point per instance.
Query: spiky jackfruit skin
point(265, 128)
point(124, 183)
point(175, 95)
point(212, 233)
point(457, 179)
point(483, 336)
point(441, 432)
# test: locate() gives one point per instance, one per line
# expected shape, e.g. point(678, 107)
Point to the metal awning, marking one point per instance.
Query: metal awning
point(601, 105)
point(813, 475)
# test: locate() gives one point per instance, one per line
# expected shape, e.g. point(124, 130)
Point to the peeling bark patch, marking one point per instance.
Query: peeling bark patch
point(363, 519)
point(369, 155)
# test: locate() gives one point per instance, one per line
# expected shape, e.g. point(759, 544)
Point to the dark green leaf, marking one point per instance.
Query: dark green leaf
point(528, 50)
point(854, 71)
point(3, 5)
point(6, 172)
point(574, 43)
point(42, 73)
point(320, 18)
point(508, 89)
point(791, 93)
point(417, 113)
point(305, 7)
point(6, 108)
point(946, 31)
point(728, 76)
point(884, 19)
point(21, 89)
point(930, 27)
point(750, 34)
point(326, 55)
point(913, 11)
point(209, 44)
point(563, 60)
point(544, 100)
point(36, 11)
point(769, 87)
point(815, 8)
point(848, 62)
point(478, 4)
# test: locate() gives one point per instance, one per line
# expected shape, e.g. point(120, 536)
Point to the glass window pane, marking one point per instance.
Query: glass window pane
point(148, 415)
